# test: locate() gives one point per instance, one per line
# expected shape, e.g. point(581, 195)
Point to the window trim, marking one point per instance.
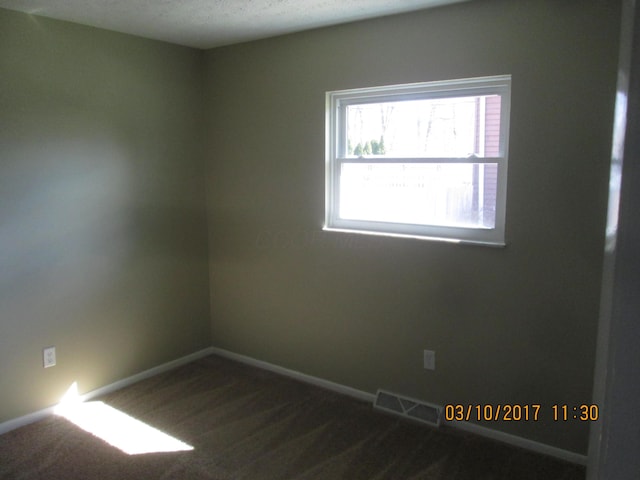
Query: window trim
point(336, 139)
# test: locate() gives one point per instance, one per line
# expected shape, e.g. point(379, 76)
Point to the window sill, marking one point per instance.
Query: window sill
point(457, 241)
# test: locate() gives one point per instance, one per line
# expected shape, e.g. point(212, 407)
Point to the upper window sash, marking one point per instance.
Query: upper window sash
point(339, 101)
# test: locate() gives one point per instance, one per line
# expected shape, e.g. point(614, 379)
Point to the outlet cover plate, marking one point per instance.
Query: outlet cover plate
point(429, 360)
point(49, 357)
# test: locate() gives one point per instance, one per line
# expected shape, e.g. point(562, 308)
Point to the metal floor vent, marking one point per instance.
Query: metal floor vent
point(406, 407)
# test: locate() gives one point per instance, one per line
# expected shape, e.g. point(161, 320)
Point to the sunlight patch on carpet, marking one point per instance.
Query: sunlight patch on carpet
point(115, 427)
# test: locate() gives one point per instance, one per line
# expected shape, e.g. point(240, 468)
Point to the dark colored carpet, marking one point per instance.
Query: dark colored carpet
point(246, 423)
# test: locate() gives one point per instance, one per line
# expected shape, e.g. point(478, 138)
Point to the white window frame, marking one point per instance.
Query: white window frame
point(336, 154)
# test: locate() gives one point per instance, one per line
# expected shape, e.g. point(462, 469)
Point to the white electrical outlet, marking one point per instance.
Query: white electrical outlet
point(49, 357)
point(429, 360)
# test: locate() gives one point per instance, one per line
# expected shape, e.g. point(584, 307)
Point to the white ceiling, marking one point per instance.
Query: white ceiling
point(212, 23)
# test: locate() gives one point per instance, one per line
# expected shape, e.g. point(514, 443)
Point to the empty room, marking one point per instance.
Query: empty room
point(318, 239)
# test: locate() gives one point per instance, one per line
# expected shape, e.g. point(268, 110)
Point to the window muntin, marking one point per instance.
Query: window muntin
point(421, 160)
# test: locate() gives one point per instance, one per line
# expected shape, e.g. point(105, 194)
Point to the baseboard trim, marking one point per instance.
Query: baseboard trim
point(25, 420)
point(165, 367)
point(320, 382)
point(517, 441)
point(46, 412)
point(497, 435)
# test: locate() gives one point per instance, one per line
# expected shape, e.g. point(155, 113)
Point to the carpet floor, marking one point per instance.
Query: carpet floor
point(248, 424)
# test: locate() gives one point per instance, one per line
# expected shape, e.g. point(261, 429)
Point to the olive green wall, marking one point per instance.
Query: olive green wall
point(514, 325)
point(103, 242)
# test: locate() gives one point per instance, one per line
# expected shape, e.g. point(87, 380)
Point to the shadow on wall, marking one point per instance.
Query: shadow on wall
point(63, 197)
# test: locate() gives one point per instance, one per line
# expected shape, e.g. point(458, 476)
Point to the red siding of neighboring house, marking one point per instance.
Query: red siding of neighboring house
point(491, 149)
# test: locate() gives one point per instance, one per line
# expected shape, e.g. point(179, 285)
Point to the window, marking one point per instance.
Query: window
point(425, 160)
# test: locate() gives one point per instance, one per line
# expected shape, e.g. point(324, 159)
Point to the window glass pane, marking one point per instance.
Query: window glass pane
point(436, 127)
point(454, 195)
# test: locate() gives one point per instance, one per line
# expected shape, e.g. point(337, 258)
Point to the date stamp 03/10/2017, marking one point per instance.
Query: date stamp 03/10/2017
point(520, 412)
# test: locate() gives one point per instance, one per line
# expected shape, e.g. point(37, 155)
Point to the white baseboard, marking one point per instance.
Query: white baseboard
point(320, 382)
point(46, 412)
point(165, 367)
point(497, 435)
point(521, 442)
point(25, 420)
